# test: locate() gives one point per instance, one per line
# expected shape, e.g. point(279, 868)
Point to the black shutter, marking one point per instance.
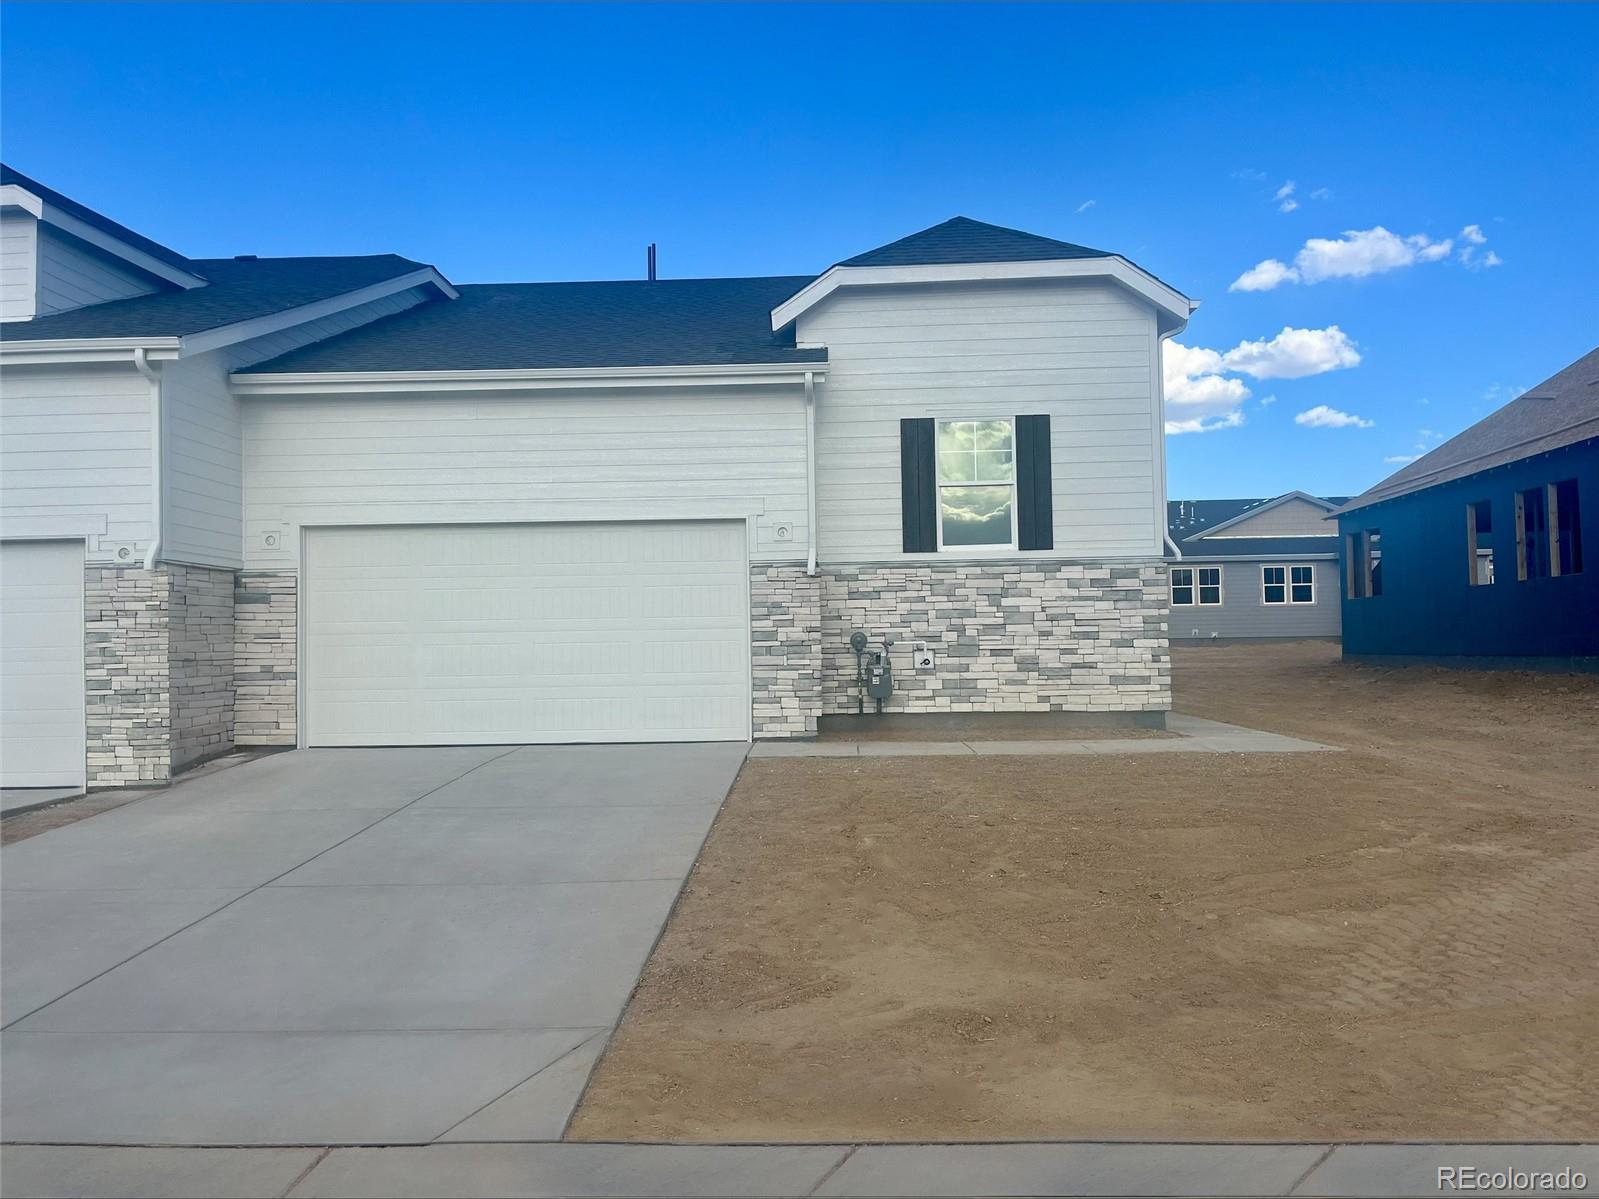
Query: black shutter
point(1035, 510)
point(918, 486)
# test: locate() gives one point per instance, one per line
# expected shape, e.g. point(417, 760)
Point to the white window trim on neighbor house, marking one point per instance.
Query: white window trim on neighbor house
point(1008, 547)
point(1196, 587)
point(1288, 583)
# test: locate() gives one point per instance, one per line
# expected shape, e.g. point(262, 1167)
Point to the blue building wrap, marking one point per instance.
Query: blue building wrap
point(1428, 606)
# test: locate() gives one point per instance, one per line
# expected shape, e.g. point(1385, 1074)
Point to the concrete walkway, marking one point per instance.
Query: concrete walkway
point(1194, 736)
point(576, 1171)
point(343, 946)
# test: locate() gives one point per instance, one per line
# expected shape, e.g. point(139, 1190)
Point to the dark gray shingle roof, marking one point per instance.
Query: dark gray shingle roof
point(961, 239)
point(1560, 411)
point(239, 290)
point(509, 326)
point(1185, 518)
point(90, 217)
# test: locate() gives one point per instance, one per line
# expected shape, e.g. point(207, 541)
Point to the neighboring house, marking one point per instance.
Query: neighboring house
point(1475, 550)
point(341, 501)
point(1254, 568)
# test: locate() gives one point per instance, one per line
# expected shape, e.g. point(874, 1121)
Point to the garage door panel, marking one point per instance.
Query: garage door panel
point(527, 633)
point(41, 664)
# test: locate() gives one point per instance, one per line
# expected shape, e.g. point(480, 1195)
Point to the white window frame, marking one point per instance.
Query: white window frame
point(1287, 584)
point(1311, 567)
point(1200, 585)
point(940, 484)
point(1172, 585)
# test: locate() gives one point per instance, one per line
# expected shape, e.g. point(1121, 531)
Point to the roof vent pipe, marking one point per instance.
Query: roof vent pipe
point(651, 259)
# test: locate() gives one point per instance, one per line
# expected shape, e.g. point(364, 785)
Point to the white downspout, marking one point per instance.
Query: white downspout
point(141, 360)
point(810, 471)
point(1172, 545)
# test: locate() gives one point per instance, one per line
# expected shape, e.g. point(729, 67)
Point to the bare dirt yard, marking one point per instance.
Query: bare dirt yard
point(1400, 941)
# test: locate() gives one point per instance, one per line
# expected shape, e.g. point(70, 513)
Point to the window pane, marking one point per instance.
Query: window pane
point(1303, 593)
point(1181, 595)
point(1210, 576)
point(1274, 593)
point(1182, 576)
point(1209, 594)
point(994, 466)
point(1301, 574)
point(975, 515)
point(992, 434)
point(956, 435)
point(957, 466)
point(1272, 574)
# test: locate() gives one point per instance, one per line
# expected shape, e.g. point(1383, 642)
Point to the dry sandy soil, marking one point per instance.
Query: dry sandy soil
point(1400, 941)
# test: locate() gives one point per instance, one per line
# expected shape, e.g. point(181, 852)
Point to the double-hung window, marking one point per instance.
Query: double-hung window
point(976, 484)
point(1190, 584)
point(1288, 584)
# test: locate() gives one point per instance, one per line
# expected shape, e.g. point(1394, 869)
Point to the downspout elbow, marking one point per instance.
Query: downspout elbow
point(1171, 546)
point(141, 362)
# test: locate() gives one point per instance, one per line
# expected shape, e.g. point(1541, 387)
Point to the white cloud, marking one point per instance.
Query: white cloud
point(1355, 255)
point(1285, 197)
point(1323, 417)
point(1293, 354)
point(1250, 175)
point(1473, 234)
point(1085, 206)
point(1264, 276)
point(1321, 193)
point(1267, 401)
point(1401, 459)
point(1202, 397)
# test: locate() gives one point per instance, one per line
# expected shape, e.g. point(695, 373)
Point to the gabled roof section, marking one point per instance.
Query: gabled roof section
point(1560, 411)
point(55, 206)
point(239, 290)
point(1256, 507)
point(962, 250)
point(548, 326)
point(961, 239)
point(1189, 521)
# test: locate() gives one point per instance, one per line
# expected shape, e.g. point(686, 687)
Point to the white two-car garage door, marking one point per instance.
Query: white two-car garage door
point(485, 634)
point(41, 664)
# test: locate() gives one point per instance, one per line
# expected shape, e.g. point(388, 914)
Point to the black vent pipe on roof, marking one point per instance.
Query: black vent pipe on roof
point(651, 258)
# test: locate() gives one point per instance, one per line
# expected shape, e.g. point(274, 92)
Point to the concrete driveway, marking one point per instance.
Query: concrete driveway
point(385, 946)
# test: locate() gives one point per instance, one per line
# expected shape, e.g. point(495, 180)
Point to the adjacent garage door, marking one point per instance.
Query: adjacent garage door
point(483, 634)
point(41, 664)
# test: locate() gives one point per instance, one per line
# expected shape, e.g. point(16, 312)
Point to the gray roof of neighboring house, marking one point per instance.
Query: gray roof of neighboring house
point(103, 223)
point(961, 239)
point(1185, 518)
point(1560, 411)
point(239, 290)
point(631, 322)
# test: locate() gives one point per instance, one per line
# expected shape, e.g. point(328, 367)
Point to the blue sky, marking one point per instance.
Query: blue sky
point(507, 142)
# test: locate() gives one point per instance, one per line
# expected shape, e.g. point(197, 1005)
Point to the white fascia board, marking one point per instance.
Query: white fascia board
point(14, 196)
point(1173, 303)
point(87, 350)
point(559, 378)
point(117, 349)
point(117, 248)
point(227, 335)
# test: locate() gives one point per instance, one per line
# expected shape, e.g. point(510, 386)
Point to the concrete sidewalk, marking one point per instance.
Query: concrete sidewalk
point(577, 1171)
point(1194, 736)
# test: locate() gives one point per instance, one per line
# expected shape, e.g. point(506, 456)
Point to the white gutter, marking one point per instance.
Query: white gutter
point(141, 361)
point(810, 471)
point(522, 378)
point(1172, 546)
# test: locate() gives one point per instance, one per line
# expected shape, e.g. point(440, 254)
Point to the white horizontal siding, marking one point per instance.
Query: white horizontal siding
point(525, 457)
point(1082, 351)
point(19, 291)
point(203, 457)
point(73, 275)
point(75, 455)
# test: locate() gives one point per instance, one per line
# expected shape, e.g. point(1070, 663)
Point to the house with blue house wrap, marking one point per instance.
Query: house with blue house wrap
point(1481, 552)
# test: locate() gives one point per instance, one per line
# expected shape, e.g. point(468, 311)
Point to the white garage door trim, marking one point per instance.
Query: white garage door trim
point(43, 718)
point(367, 681)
